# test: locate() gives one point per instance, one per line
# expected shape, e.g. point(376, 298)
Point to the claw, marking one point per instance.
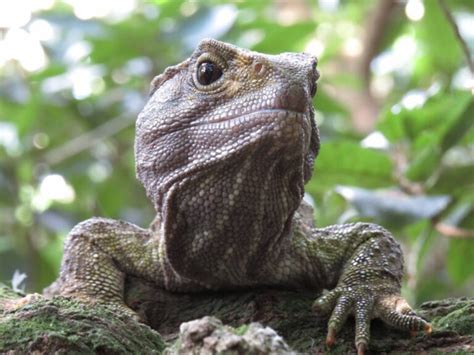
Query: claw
point(361, 348)
point(428, 329)
point(331, 337)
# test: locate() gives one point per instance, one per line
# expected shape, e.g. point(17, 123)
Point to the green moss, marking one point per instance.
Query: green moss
point(460, 321)
point(173, 348)
point(60, 323)
point(65, 325)
point(241, 330)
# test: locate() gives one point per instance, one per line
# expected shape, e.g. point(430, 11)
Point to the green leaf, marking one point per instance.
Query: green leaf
point(347, 163)
point(391, 124)
point(431, 144)
point(438, 40)
point(430, 130)
point(444, 118)
point(325, 103)
point(460, 256)
point(329, 208)
point(462, 120)
point(424, 163)
point(456, 180)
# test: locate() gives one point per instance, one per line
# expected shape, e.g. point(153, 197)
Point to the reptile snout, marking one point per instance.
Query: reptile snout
point(298, 83)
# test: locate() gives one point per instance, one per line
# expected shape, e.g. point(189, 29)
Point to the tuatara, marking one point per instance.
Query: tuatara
point(224, 147)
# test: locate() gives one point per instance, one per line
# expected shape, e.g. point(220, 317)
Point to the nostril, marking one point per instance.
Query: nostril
point(314, 77)
point(313, 88)
point(315, 69)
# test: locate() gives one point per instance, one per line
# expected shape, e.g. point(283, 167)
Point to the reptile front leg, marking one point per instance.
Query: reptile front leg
point(97, 255)
point(364, 264)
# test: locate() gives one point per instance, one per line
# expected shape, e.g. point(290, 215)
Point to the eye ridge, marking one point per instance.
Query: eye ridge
point(208, 72)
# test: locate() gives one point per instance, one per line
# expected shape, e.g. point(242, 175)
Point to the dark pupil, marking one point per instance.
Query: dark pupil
point(208, 73)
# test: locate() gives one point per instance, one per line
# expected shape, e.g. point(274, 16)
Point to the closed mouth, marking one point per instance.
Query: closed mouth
point(232, 121)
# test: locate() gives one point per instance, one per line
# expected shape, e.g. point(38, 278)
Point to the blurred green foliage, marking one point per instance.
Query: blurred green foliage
point(67, 113)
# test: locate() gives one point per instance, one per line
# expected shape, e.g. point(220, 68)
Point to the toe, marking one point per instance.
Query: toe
point(398, 314)
point(363, 316)
point(325, 304)
point(406, 322)
point(338, 318)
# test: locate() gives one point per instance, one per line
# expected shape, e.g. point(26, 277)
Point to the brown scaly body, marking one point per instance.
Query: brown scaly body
point(224, 148)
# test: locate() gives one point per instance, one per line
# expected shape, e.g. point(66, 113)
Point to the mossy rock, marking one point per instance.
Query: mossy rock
point(67, 325)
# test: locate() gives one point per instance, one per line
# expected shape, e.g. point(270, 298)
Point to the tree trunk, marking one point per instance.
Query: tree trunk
point(61, 324)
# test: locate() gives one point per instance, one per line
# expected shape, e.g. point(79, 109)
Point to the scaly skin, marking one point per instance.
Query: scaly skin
point(223, 150)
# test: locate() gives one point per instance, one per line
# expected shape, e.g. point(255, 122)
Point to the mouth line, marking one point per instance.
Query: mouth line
point(240, 119)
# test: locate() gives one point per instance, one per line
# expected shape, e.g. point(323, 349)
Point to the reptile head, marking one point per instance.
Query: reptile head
point(222, 105)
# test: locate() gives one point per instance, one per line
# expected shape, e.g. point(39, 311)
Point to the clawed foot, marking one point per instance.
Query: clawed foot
point(116, 305)
point(364, 304)
point(123, 309)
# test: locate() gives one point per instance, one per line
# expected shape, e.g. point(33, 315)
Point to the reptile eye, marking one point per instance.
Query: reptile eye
point(208, 73)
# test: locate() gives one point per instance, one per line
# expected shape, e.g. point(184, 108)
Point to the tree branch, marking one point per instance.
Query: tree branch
point(455, 28)
point(453, 231)
point(89, 139)
point(373, 35)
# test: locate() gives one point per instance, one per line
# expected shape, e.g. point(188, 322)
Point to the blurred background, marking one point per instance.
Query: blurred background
point(395, 108)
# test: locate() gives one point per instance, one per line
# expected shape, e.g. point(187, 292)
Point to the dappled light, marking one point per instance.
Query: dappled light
point(415, 10)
